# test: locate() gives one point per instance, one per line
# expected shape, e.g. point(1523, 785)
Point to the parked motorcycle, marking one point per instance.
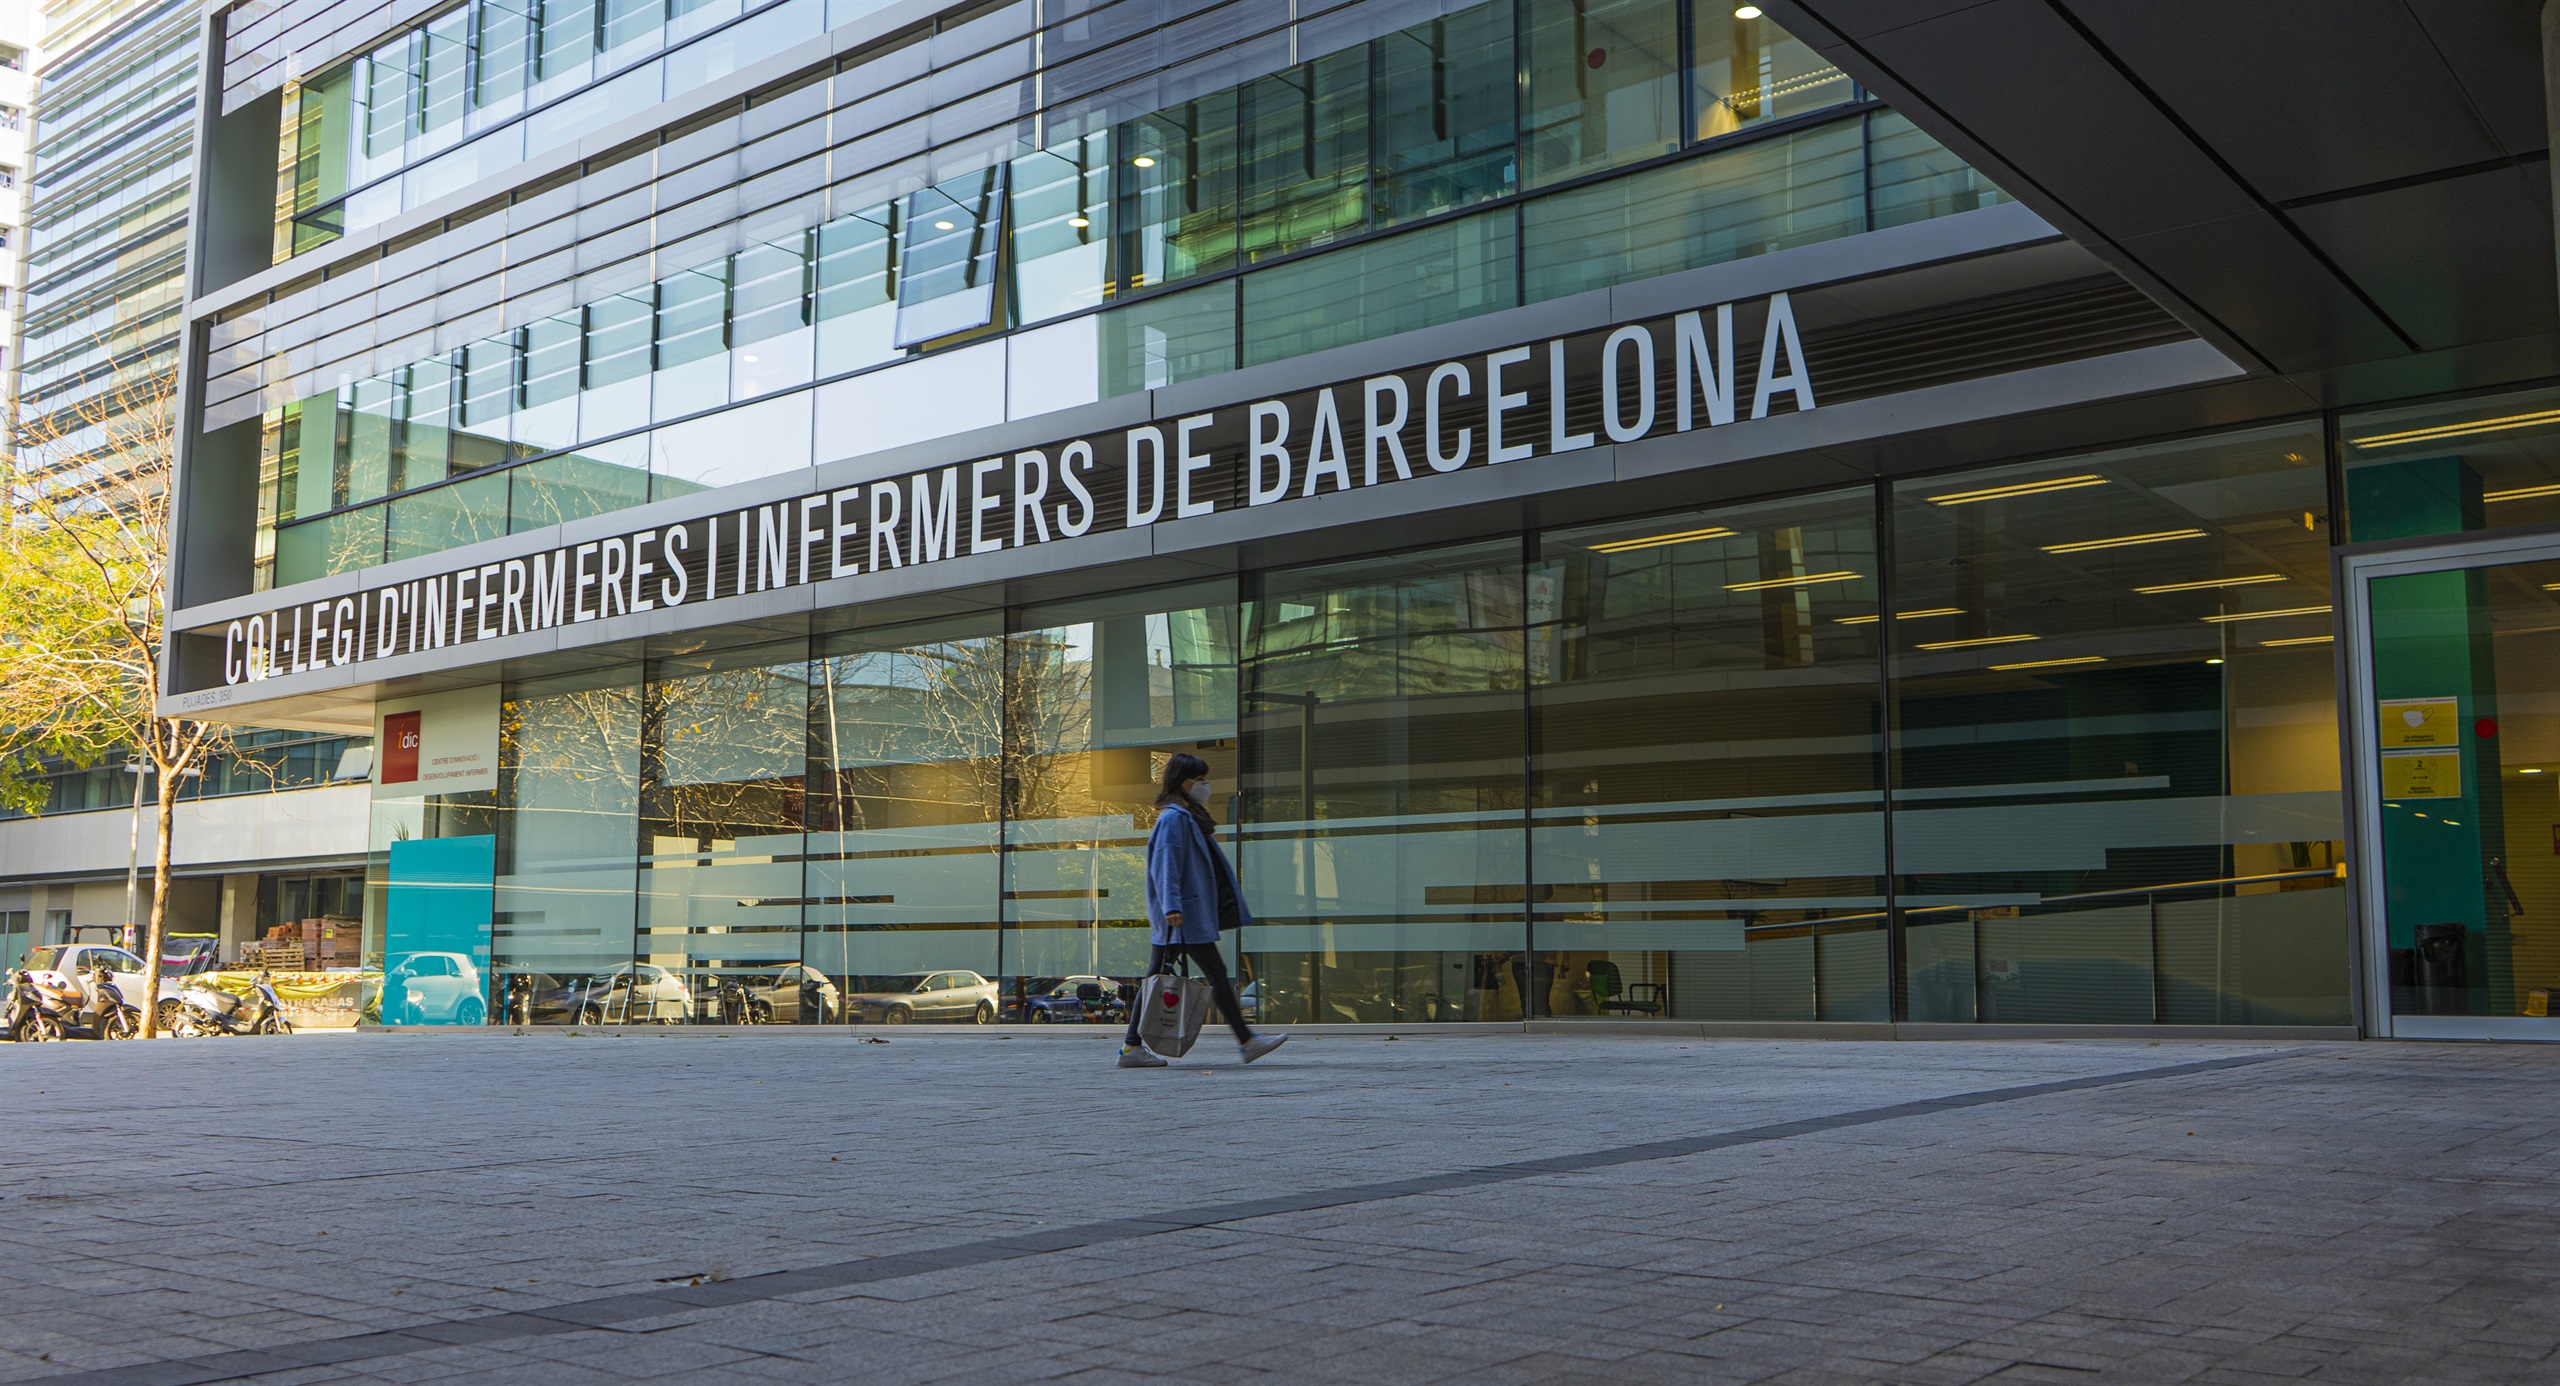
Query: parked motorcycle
point(63, 1010)
point(205, 1010)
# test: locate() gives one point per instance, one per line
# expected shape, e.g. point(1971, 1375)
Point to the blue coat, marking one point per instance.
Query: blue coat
point(1183, 867)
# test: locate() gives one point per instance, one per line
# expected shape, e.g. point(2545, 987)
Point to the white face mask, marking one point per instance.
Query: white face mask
point(1199, 791)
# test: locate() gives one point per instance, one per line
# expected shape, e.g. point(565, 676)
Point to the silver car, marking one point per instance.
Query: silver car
point(921, 996)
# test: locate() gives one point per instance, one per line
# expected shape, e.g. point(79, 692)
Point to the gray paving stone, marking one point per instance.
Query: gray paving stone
point(2343, 1213)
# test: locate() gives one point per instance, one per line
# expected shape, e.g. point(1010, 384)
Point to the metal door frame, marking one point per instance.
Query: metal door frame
point(2356, 572)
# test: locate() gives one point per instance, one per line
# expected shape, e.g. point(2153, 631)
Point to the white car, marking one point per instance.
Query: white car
point(626, 993)
point(73, 962)
point(434, 989)
point(908, 997)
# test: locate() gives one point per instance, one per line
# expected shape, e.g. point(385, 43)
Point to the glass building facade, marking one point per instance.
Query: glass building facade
point(2076, 716)
point(1500, 155)
point(2001, 688)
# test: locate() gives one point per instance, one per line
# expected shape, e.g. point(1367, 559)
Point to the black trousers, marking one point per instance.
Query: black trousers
point(1204, 956)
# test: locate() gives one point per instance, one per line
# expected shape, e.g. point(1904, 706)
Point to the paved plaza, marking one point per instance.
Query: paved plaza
point(780, 1207)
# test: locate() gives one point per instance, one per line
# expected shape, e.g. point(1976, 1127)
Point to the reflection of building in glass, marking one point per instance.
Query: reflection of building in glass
point(1639, 528)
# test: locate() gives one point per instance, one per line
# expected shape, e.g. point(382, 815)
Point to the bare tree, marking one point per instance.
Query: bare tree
point(84, 567)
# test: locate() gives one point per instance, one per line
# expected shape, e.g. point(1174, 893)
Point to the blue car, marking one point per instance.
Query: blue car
point(1076, 1001)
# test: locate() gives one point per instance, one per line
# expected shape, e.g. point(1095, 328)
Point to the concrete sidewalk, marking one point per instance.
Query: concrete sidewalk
point(388, 1207)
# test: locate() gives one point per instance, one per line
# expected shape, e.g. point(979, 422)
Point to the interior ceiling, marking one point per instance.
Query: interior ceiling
point(2355, 194)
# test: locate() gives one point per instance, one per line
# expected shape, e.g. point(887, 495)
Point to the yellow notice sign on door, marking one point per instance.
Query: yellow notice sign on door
point(2422, 774)
point(2420, 722)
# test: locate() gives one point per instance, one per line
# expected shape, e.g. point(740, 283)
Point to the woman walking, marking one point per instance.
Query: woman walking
point(1191, 895)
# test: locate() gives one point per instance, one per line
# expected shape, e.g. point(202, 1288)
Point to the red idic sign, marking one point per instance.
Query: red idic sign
point(400, 748)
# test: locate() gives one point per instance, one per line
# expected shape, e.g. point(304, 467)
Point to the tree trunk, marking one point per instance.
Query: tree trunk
point(164, 813)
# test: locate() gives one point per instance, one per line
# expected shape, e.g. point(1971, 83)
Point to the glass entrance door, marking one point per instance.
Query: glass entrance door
point(2456, 726)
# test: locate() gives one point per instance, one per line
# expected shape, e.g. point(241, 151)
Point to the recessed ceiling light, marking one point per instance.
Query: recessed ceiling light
point(1143, 161)
point(2301, 640)
point(1900, 616)
point(1655, 541)
point(942, 226)
point(2457, 430)
point(2520, 493)
point(2530, 770)
point(2052, 663)
point(2228, 617)
point(2250, 581)
point(2213, 661)
point(1747, 12)
point(2122, 541)
point(1078, 223)
point(1977, 640)
point(1765, 584)
point(2023, 488)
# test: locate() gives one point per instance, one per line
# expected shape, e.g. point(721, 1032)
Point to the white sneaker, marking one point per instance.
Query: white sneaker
point(1139, 1056)
point(1260, 1045)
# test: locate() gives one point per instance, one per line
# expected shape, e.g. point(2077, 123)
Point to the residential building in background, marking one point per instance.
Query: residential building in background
point(1651, 511)
point(100, 250)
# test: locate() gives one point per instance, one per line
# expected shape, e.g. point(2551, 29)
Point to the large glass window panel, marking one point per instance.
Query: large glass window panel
point(1767, 196)
point(1304, 175)
point(340, 543)
point(1442, 117)
point(1161, 341)
point(2115, 738)
point(1601, 85)
point(693, 342)
point(593, 480)
point(905, 815)
point(368, 410)
point(488, 385)
point(1707, 766)
point(1098, 695)
point(548, 414)
point(1912, 177)
point(616, 397)
point(303, 442)
point(947, 262)
point(506, 40)
point(774, 345)
point(857, 291)
point(722, 767)
point(1061, 228)
point(565, 37)
point(1177, 193)
point(322, 134)
point(390, 98)
point(568, 821)
point(1380, 735)
point(1745, 70)
point(2447, 468)
point(731, 446)
point(444, 49)
point(448, 517)
point(626, 22)
point(1437, 274)
point(421, 450)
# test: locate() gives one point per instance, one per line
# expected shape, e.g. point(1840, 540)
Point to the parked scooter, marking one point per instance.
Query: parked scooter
point(18, 1013)
point(204, 1010)
point(64, 1011)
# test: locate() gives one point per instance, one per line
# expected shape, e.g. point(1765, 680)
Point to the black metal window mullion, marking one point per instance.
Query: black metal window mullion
point(1896, 945)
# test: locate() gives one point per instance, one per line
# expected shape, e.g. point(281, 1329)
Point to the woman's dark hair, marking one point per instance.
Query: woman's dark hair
point(1180, 769)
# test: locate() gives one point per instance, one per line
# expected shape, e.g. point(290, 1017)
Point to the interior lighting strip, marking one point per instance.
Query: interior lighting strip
point(2023, 488)
point(2052, 663)
point(1900, 616)
point(2300, 640)
point(2251, 581)
point(2228, 617)
point(2520, 493)
point(2458, 430)
point(1655, 541)
point(1977, 640)
point(2124, 541)
point(1766, 584)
